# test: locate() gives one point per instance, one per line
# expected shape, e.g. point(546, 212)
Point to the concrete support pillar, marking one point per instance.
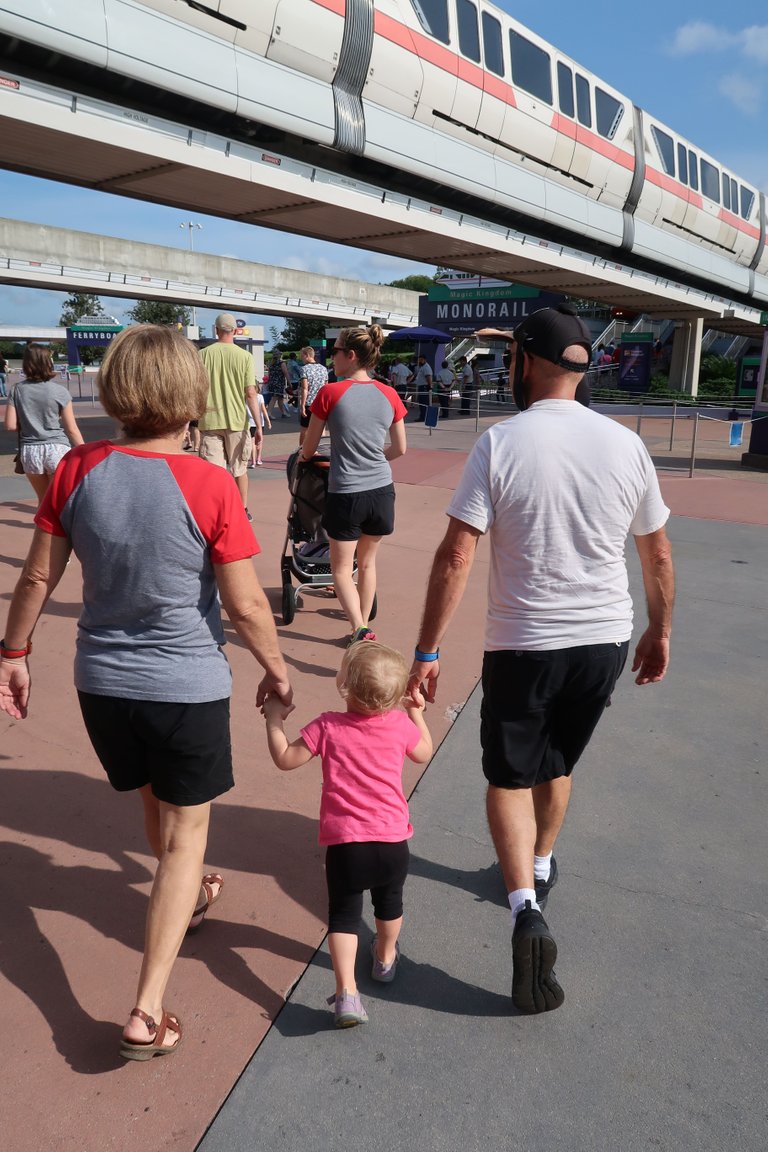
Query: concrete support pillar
point(686, 356)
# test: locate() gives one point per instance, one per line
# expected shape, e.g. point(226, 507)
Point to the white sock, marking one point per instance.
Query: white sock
point(542, 866)
point(517, 901)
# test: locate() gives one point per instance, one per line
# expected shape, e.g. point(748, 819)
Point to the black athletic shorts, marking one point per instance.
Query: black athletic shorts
point(540, 709)
point(377, 866)
point(350, 515)
point(304, 420)
point(182, 750)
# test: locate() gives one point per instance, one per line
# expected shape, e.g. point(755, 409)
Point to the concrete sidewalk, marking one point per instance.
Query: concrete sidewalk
point(660, 915)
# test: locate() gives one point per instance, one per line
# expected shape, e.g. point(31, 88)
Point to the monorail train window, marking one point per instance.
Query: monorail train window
point(666, 147)
point(747, 200)
point(492, 46)
point(531, 69)
point(693, 170)
point(608, 113)
point(565, 89)
point(469, 33)
point(583, 106)
point(682, 163)
point(433, 17)
point(734, 197)
point(710, 181)
point(726, 192)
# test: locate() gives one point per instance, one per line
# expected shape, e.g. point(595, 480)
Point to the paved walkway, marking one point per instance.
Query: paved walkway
point(660, 914)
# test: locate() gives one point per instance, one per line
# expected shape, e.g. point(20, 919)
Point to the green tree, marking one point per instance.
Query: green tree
point(159, 312)
point(299, 331)
point(415, 283)
point(79, 304)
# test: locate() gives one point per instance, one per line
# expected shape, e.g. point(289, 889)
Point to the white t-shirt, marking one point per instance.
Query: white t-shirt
point(398, 375)
point(559, 487)
point(262, 407)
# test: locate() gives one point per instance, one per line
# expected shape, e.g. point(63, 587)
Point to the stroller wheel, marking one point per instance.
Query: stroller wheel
point(289, 604)
point(374, 608)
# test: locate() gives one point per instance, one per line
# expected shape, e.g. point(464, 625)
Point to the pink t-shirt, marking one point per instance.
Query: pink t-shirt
point(362, 758)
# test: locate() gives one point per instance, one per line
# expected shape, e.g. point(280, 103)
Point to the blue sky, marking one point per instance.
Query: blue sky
point(701, 67)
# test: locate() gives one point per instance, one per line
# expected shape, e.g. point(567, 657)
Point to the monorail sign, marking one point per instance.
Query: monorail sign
point(479, 303)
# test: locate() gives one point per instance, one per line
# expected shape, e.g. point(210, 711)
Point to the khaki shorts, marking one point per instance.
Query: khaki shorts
point(231, 450)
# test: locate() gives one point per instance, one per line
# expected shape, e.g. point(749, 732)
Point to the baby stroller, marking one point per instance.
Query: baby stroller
point(306, 552)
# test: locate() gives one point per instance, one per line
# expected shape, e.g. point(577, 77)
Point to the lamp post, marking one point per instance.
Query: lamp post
point(190, 226)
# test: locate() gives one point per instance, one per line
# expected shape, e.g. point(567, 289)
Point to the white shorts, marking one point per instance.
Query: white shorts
point(41, 459)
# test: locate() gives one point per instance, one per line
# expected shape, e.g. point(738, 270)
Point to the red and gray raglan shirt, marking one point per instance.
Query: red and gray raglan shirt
point(359, 414)
point(147, 529)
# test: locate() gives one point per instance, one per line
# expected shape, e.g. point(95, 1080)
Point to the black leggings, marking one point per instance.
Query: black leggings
point(351, 869)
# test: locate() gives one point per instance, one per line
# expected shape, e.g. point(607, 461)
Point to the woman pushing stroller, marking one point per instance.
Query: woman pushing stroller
point(360, 508)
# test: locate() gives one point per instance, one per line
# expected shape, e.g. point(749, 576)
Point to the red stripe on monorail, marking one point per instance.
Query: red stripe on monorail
point(582, 135)
point(337, 6)
point(737, 222)
point(670, 184)
point(441, 57)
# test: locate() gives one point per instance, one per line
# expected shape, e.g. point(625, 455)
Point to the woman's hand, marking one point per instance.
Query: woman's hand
point(15, 683)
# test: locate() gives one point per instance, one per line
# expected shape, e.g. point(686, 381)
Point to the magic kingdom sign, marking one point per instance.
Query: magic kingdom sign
point(459, 303)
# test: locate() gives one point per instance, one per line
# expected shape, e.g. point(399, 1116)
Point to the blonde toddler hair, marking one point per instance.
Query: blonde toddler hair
point(373, 677)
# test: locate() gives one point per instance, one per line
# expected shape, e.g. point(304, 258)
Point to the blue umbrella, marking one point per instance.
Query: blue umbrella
point(420, 335)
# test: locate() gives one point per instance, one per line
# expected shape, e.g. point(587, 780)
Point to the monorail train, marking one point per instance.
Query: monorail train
point(452, 93)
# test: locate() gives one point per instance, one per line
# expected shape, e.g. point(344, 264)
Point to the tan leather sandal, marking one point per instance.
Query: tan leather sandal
point(146, 1049)
point(199, 913)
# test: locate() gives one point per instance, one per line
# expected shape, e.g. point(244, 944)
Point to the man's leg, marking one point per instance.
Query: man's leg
point(550, 802)
point(512, 821)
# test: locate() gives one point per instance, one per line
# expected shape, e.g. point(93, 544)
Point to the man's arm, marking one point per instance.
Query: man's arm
point(450, 571)
point(303, 393)
point(652, 652)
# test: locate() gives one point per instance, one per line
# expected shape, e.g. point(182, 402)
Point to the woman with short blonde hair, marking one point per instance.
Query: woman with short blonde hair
point(163, 542)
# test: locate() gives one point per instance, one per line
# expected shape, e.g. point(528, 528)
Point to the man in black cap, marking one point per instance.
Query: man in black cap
point(559, 488)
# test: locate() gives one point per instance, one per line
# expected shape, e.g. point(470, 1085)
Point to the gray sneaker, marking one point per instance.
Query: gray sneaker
point(384, 973)
point(348, 1010)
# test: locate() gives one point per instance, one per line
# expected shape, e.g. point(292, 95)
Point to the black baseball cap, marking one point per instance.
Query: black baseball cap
point(548, 332)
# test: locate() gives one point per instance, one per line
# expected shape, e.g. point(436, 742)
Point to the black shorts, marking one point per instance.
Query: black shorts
point(350, 515)
point(304, 420)
point(540, 709)
point(375, 866)
point(182, 750)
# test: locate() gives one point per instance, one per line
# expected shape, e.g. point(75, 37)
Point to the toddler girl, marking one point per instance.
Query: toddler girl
point(363, 812)
point(257, 431)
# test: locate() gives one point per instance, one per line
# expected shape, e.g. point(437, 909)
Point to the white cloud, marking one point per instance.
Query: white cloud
point(698, 36)
point(743, 92)
point(755, 43)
